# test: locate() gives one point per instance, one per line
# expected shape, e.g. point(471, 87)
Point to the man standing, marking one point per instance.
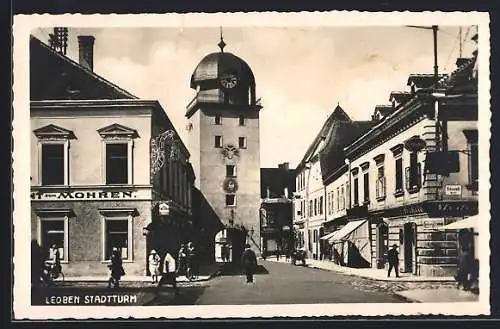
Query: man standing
point(249, 261)
point(169, 272)
point(393, 259)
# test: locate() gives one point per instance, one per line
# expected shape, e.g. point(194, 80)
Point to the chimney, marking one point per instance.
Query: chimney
point(86, 51)
point(268, 193)
point(286, 192)
point(284, 165)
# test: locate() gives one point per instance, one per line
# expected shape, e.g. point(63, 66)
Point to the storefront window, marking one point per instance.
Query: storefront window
point(117, 236)
point(53, 233)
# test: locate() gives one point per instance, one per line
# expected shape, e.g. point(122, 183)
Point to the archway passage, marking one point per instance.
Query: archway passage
point(229, 245)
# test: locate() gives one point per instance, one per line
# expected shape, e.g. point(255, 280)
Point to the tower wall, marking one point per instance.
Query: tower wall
point(213, 162)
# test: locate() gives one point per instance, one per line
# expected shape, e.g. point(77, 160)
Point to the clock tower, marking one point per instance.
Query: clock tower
point(224, 141)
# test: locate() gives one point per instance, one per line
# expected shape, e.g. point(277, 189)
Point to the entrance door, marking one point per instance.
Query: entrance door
point(382, 245)
point(409, 248)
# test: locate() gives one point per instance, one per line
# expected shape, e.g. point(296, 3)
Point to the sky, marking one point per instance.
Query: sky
point(301, 73)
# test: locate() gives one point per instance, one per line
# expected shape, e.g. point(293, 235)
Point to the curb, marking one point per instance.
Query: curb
point(400, 279)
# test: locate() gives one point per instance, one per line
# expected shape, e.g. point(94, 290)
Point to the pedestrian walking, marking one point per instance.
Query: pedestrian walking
point(225, 253)
point(393, 259)
point(249, 261)
point(464, 270)
point(182, 259)
point(116, 269)
point(169, 275)
point(154, 265)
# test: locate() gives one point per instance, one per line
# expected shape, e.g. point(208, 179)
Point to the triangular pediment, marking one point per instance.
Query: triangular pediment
point(53, 131)
point(117, 130)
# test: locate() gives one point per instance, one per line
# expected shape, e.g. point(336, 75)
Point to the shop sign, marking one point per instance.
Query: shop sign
point(455, 190)
point(164, 209)
point(415, 144)
point(433, 224)
point(82, 195)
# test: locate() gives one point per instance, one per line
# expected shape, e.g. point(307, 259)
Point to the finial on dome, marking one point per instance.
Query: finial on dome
point(221, 44)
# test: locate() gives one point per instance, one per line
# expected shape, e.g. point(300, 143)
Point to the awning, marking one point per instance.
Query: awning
point(329, 235)
point(469, 222)
point(346, 230)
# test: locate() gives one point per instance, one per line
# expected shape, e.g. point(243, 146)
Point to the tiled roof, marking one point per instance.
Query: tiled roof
point(422, 80)
point(462, 77)
point(400, 96)
point(384, 109)
point(57, 77)
point(341, 135)
point(338, 114)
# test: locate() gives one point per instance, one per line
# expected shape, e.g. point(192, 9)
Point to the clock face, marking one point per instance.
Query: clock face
point(229, 80)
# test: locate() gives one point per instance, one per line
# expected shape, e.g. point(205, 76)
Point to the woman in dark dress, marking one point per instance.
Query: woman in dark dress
point(116, 269)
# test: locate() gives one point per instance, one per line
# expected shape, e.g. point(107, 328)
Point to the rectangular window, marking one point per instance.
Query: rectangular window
point(342, 197)
point(52, 233)
point(366, 188)
point(311, 208)
point(117, 236)
point(399, 175)
point(218, 119)
point(230, 171)
point(321, 205)
point(230, 200)
point(356, 191)
point(380, 186)
point(315, 207)
point(241, 120)
point(116, 163)
point(218, 141)
point(52, 164)
point(473, 163)
point(242, 142)
point(413, 174)
point(338, 198)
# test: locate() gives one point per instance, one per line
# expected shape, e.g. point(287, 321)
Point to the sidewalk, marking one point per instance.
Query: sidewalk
point(439, 295)
point(369, 273)
point(207, 272)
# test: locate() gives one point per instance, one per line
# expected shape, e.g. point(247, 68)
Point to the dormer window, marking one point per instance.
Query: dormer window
point(117, 154)
point(53, 155)
point(218, 119)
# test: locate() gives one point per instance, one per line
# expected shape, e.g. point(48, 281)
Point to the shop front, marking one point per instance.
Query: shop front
point(86, 224)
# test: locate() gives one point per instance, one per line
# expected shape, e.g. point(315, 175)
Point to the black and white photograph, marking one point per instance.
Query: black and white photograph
point(275, 164)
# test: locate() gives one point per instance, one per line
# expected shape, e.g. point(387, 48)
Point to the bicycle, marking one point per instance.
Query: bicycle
point(53, 274)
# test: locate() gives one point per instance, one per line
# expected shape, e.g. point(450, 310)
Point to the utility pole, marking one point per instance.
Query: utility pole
point(434, 29)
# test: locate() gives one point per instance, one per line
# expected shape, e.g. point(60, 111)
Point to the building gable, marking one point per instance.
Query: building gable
point(53, 131)
point(56, 77)
point(117, 130)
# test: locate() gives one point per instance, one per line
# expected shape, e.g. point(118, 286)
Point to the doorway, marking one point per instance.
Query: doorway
point(409, 247)
point(382, 245)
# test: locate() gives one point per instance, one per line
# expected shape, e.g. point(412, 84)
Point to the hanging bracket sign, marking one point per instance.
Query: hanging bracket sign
point(164, 209)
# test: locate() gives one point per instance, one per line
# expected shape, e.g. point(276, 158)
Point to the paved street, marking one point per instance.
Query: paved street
point(279, 283)
point(276, 283)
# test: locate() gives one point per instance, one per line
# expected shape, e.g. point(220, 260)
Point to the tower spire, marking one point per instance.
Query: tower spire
point(221, 44)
